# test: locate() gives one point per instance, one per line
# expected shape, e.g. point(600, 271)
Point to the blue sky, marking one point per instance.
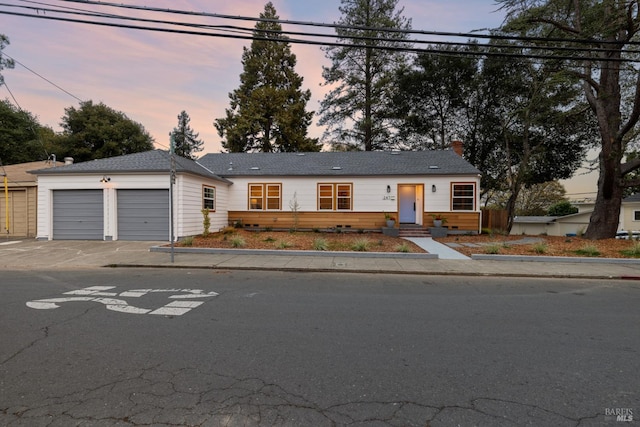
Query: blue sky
point(151, 76)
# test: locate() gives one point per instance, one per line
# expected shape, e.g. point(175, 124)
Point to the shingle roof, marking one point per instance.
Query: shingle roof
point(144, 162)
point(356, 163)
point(18, 175)
point(633, 198)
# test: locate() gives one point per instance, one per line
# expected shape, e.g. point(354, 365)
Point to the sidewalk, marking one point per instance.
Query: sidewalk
point(46, 255)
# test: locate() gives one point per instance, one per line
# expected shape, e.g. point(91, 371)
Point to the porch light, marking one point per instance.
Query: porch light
point(433, 188)
point(388, 189)
point(105, 179)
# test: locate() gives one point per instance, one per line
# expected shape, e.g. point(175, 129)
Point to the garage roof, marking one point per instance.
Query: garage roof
point(144, 162)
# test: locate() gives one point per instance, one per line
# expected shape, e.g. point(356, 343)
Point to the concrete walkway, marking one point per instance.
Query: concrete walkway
point(433, 247)
point(38, 255)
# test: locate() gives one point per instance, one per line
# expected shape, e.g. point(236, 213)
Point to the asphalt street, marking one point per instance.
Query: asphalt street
point(219, 347)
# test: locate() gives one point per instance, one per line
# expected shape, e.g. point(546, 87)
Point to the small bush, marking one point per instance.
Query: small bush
point(315, 229)
point(540, 248)
point(320, 244)
point(188, 241)
point(268, 228)
point(269, 239)
point(361, 245)
point(238, 242)
point(228, 230)
point(588, 251)
point(403, 247)
point(283, 244)
point(634, 252)
point(492, 249)
point(360, 231)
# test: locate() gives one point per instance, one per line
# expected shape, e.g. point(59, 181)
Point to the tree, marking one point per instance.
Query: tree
point(606, 28)
point(185, 140)
point(268, 110)
point(4, 62)
point(562, 208)
point(20, 134)
point(362, 73)
point(533, 200)
point(433, 96)
point(95, 131)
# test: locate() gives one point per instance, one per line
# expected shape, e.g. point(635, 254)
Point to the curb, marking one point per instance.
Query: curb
point(567, 259)
point(272, 252)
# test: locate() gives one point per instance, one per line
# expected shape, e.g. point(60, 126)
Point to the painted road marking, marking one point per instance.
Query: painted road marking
point(174, 308)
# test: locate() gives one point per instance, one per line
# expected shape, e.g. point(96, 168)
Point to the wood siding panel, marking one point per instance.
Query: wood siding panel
point(18, 213)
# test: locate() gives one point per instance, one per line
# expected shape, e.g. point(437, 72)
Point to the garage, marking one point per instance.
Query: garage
point(17, 210)
point(78, 215)
point(143, 215)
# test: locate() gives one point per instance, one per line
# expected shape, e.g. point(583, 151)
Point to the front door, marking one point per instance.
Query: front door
point(407, 213)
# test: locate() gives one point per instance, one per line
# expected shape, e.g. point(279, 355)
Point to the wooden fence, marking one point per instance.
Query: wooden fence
point(494, 219)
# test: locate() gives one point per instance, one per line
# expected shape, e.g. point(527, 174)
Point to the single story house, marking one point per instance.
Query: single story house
point(573, 224)
point(18, 199)
point(630, 213)
point(127, 197)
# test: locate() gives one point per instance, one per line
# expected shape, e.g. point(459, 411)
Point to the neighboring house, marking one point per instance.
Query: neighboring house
point(551, 225)
point(348, 190)
point(18, 200)
point(630, 213)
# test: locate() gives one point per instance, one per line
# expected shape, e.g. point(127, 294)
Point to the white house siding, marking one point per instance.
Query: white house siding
point(189, 208)
point(369, 193)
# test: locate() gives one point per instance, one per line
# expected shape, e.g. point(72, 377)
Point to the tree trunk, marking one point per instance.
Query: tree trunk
point(604, 220)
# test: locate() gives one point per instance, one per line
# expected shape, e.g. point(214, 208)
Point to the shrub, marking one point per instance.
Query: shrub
point(540, 248)
point(188, 241)
point(283, 244)
point(562, 208)
point(228, 230)
point(320, 244)
point(238, 242)
point(360, 245)
point(589, 250)
point(269, 239)
point(206, 222)
point(315, 229)
point(633, 252)
point(403, 247)
point(492, 249)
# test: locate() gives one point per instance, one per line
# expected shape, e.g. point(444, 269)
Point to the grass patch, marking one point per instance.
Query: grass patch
point(403, 247)
point(238, 242)
point(540, 248)
point(589, 250)
point(361, 245)
point(320, 244)
point(633, 252)
point(492, 249)
point(283, 244)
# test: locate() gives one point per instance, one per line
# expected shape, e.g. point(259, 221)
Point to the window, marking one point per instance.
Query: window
point(463, 197)
point(636, 215)
point(265, 197)
point(335, 197)
point(209, 198)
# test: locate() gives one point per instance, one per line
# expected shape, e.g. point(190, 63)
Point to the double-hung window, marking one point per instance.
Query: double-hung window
point(463, 196)
point(209, 198)
point(265, 197)
point(335, 197)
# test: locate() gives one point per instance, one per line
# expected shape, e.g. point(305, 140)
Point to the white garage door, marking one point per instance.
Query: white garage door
point(78, 215)
point(143, 215)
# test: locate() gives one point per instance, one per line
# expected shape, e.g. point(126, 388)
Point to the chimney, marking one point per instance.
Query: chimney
point(68, 160)
point(457, 146)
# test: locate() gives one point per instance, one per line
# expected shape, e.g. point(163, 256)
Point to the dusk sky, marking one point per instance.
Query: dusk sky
point(152, 77)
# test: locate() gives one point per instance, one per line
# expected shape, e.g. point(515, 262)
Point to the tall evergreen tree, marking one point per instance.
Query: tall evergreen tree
point(268, 110)
point(185, 139)
point(362, 73)
point(609, 28)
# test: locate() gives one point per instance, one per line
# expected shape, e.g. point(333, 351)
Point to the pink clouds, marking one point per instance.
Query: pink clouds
point(152, 76)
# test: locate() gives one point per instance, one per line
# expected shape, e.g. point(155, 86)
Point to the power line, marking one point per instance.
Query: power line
point(401, 48)
point(42, 77)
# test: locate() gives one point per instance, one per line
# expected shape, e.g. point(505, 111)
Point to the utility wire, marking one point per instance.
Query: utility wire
point(42, 77)
point(400, 48)
point(284, 33)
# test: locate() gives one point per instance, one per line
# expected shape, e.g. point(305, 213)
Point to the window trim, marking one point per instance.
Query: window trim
point(213, 199)
point(636, 215)
point(473, 197)
point(335, 197)
point(264, 195)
